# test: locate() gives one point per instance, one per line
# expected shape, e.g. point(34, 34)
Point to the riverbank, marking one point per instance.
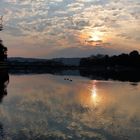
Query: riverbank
point(98, 73)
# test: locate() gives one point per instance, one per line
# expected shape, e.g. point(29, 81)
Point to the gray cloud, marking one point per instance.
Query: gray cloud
point(82, 51)
point(63, 21)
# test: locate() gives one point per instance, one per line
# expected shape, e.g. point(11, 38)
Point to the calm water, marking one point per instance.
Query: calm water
point(47, 107)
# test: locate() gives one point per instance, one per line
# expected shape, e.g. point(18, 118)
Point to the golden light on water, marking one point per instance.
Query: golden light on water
point(94, 95)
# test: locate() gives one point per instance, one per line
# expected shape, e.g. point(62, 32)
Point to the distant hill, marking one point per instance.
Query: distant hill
point(119, 62)
point(68, 61)
point(22, 59)
point(64, 61)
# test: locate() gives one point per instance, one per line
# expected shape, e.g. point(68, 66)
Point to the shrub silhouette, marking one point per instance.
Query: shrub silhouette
point(3, 52)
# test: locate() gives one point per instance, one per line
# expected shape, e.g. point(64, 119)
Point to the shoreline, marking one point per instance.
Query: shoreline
point(104, 73)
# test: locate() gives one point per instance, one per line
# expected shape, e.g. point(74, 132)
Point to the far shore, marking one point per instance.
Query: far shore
point(98, 73)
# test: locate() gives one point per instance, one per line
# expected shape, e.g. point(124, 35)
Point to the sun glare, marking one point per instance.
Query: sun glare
point(94, 93)
point(96, 36)
point(92, 37)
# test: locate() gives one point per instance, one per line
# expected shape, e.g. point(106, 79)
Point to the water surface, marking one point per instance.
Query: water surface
point(48, 107)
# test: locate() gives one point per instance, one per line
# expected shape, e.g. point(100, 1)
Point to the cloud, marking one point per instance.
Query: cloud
point(62, 21)
point(82, 51)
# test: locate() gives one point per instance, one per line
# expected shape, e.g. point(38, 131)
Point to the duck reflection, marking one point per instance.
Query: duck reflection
point(4, 80)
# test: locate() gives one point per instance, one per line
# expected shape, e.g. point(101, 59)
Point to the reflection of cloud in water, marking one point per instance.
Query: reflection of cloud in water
point(47, 107)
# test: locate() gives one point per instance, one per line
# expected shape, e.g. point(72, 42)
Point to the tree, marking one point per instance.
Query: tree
point(3, 49)
point(3, 52)
point(134, 53)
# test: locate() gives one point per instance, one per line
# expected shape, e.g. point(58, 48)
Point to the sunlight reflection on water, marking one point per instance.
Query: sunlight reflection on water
point(94, 95)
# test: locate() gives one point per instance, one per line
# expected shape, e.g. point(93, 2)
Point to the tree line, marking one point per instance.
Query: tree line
point(123, 60)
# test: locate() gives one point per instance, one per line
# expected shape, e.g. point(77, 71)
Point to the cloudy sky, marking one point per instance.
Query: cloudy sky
point(70, 28)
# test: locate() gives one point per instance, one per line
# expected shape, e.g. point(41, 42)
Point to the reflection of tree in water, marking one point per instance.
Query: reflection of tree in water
point(1, 131)
point(4, 80)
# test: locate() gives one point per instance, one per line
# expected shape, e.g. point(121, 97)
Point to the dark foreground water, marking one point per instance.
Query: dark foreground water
point(47, 107)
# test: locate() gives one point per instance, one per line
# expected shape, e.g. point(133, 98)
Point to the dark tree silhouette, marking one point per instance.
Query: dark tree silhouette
point(124, 67)
point(134, 53)
point(4, 77)
point(3, 49)
point(3, 52)
point(131, 60)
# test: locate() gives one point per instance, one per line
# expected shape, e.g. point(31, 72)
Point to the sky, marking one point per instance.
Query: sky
point(70, 28)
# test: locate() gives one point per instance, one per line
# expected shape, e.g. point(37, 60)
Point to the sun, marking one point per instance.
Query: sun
point(92, 37)
point(96, 36)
